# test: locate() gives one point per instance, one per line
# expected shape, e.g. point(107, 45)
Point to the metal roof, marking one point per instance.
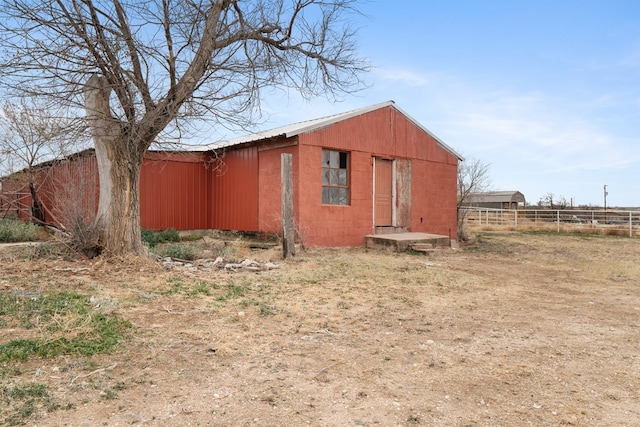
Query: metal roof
point(312, 125)
point(495, 196)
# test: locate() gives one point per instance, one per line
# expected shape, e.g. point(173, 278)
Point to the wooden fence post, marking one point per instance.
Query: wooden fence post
point(288, 226)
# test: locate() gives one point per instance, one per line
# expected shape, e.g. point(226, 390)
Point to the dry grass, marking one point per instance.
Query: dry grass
point(515, 329)
point(525, 225)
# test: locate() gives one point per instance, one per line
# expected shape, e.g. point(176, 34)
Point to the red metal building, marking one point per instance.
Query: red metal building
point(369, 170)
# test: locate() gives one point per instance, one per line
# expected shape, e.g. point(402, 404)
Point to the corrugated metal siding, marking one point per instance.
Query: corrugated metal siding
point(67, 190)
point(173, 191)
point(15, 199)
point(384, 133)
point(234, 191)
point(70, 191)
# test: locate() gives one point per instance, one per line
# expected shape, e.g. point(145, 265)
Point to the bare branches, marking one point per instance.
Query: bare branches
point(150, 66)
point(170, 60)
point(473, 177)
point(31, 133)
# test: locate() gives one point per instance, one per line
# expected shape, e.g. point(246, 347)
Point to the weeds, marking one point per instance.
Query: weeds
point(413, 419)
point(233, 291)
point(109, 394)
point(177, 286)
point(18, 403)
point(13, 230)
point(60, 323)
point(184, 252)
point(202, 288)
point(267, 310)
point(45, 250)
point(152, 238)
point(66, 324)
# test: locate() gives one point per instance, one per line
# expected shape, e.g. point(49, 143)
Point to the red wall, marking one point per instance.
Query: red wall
point(434, 198)
point(270, 189)
point(67, 190)
point(234, 191)
point(70, 191)
point(384, 133)
point(15, 199)
point(174, 191)
point(328, 225)
point(242, 191)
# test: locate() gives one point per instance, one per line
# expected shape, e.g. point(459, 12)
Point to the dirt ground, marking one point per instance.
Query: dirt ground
point(514, 330)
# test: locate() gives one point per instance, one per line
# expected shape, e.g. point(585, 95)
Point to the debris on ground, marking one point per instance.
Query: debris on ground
point(245, 265)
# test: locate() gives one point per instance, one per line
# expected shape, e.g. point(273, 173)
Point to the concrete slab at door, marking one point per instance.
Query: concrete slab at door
point(383, 196)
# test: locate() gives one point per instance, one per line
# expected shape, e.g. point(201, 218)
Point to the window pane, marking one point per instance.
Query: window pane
point(343, 160)
point(325, 157)
point(344, 196)
point(335, 159)
point(325, 195)
point(333, 176)
point(334, 196)
point(342, 177)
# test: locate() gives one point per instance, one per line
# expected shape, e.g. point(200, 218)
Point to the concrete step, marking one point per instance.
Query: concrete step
point(401, 242)
point(427, 248)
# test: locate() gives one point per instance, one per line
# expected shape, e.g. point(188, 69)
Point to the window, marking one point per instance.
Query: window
point(335, 177)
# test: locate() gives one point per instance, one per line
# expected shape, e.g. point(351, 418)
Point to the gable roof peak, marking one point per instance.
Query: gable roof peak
point(295, 129)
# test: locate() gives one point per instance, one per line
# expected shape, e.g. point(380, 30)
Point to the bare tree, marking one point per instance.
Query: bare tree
point(550, 201)
point(547, 200)
point(473, 177)
point(31, 133)
point(145, 68)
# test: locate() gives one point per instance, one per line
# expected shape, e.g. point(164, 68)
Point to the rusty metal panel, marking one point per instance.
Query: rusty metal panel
point(403, 193)
point(234, 191)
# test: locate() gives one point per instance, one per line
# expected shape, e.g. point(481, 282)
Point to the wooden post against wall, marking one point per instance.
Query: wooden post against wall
point(288, 228)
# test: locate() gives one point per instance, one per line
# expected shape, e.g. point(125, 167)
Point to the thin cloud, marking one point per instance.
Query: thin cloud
point(406, 77)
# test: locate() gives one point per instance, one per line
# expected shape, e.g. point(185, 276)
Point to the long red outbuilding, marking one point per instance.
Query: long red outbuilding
point(357, 173)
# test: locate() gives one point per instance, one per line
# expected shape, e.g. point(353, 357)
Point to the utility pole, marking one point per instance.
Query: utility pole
point(605, 197)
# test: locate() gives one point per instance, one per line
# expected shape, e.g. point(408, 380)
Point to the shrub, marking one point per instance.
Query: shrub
point(12, 230)
point(178, 251)
point(43, 250)
point(152, 238)
point(149, 238)
point(168, 235)
point(83, 238)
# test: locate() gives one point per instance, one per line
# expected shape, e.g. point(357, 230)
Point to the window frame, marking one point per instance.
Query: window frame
point(336, 177)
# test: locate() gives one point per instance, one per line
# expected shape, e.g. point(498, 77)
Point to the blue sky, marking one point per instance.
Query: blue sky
point(545, 92)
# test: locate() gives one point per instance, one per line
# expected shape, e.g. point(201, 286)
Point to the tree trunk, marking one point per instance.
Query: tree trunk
point(37, 210)
point(117, 223)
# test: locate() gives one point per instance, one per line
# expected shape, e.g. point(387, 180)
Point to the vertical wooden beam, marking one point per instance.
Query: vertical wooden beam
point(288, 228)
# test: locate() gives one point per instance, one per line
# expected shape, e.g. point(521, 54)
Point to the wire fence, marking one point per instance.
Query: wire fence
point(609, 222)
